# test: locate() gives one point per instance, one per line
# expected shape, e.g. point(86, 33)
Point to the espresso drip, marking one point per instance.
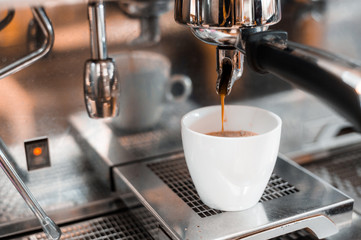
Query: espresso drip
point(223, 96)
point(223, 133)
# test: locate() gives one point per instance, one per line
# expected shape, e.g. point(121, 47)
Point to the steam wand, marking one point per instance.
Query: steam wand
point(51, 230)
point(101, 85)
point(333, 79)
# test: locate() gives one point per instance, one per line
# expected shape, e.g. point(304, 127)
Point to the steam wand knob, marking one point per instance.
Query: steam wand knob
point(101, 84)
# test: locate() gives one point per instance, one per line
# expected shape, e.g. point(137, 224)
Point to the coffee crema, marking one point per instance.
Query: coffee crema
point(240, 133)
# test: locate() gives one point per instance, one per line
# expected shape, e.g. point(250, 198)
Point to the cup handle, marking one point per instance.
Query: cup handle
point(185, 82)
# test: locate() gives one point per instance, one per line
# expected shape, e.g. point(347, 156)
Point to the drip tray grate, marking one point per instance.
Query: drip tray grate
point(135, 224)
point(176, 176)
point(164, 186)
point(342, 169)
point(131, 224)
point(276, 188)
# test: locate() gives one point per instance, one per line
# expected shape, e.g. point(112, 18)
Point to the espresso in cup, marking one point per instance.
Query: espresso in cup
point(240, 133)
point(223, 133)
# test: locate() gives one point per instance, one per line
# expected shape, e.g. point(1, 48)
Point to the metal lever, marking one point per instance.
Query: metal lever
point(51, 230)
point(101, 85)
point(333, 79)
point(47, 29)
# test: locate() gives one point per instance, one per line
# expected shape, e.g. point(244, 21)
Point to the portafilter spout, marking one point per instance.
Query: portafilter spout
point(243, 25)
point(225, 24)
point(101, 84)
point(229, 68)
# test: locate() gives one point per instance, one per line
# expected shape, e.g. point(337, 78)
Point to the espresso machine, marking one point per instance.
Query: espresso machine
point(96, 153)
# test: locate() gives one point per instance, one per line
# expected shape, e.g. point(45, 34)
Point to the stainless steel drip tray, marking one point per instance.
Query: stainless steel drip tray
point(294, 199)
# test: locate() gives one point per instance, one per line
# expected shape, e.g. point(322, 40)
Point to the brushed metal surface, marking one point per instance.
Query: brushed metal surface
point(317, 206)
point(67, 191)
point(107, 146)
point(341, 167)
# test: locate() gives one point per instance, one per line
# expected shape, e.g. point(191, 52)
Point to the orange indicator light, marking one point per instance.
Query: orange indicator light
point(37, 151)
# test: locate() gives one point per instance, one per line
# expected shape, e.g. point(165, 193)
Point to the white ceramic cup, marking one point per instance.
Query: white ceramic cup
point(231, 173)
point(145, 88)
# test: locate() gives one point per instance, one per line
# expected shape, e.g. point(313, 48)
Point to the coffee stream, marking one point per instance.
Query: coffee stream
point(223, 96)
point(223, 133)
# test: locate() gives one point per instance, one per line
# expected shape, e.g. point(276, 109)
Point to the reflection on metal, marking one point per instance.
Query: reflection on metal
point(226, 23)
point(7, 19)
point(148, 12)
point(47, 29)
point(225, 80)
point(317, 206)
point(299, 235)
point(227, 14)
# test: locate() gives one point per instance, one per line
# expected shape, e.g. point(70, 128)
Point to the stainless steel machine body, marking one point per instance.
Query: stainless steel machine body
point(85, 191)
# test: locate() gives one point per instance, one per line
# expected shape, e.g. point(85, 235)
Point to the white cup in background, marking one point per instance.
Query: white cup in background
point(145, 87)
point(231, 173)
